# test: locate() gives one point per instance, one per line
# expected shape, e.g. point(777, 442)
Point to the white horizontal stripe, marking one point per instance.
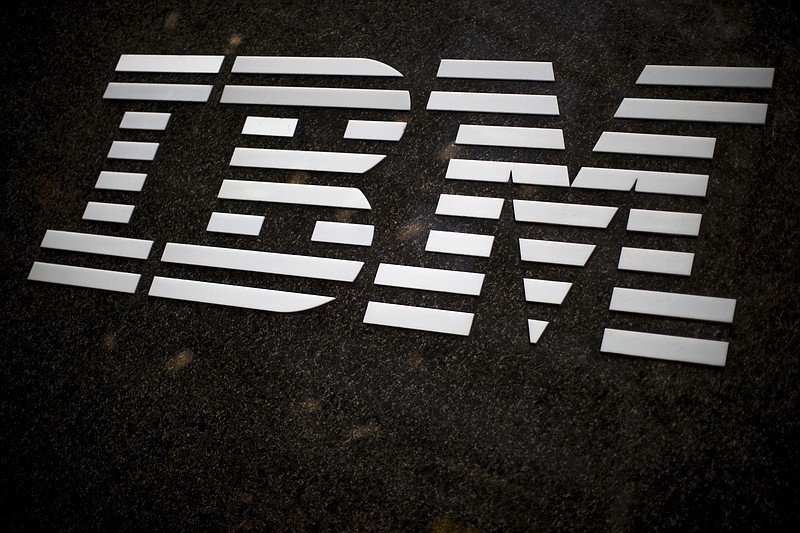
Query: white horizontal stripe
point(736, 77)
point(672, 183)
point(617, 179)
point(97, 244)
point(264, 262)
point(180, 64)
point(104, 212)
point(501, 171)
point(138, 151)
point(555, 252)
point(120, 181)
point(667, 347)
point(235, 295)
point(607, 179)
point(235, 223)
point(342, 233)
point(91, 278)
point(317, 97)
point(545, 291)
point(429, 279)
point(374, 130)
point(133, 120)
point(511, 137)
point(316, 66)
point(661, 145)
point(270, 126)
point(293, 193)
point(538, 174)
point(419, 318)
point(673, 305)
point(496, 70)
point(692, 110)
point(665, 222)
point(535, 330)
point(305, 160)
point(527, 104)
point(656, 261)
point(587, 216)
point(164, 92)
point(469, 206)
point(450, 242)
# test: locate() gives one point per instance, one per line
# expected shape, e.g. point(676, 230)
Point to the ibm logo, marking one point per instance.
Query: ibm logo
point(480, 131)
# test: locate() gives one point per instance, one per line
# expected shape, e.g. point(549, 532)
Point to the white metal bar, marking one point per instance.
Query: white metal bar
point(270, 126)
point(694, 76)
point(179, 64)
point(546, 291)
point(305, 160)
point(120, 181)
point(512, 137)
point(606, 179)
point(343, 233)
point(673, 183)
point(667, 347)
point(692, 110)
point(317, 97)
point(97, 244)
point(474, 170)
point(669, 304)
point(293, 193)
point(235, 295)
point(664, 222)
point(429, 279)
point(535, 330)
point(134, 120)
point(265, 262)
point(526, 104)
point(312, 66)
point(91, 278)
point(501, 171)
point(163, 92)
point(419, 318)
point(450, 242)
point(496, 70)
point(469, 206)
point(617, 179)
point(656, 261)
point(659, 145)
point(105, 212)
point(235, 223)
point(555, 252)
point(375, 130)
point(138, 151)
point(587, 216)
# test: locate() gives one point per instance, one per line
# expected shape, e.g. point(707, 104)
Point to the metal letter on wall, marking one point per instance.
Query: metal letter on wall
point(275, 178)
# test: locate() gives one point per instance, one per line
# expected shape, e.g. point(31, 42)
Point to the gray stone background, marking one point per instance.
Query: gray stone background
point(126, 412)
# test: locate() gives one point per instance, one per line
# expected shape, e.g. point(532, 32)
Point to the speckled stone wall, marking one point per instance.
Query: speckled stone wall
point(133, 413)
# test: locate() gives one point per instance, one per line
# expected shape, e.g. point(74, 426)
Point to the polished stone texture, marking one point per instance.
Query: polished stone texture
point(126, 412)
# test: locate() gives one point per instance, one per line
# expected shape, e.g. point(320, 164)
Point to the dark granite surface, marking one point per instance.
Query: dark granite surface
point(128, 412)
